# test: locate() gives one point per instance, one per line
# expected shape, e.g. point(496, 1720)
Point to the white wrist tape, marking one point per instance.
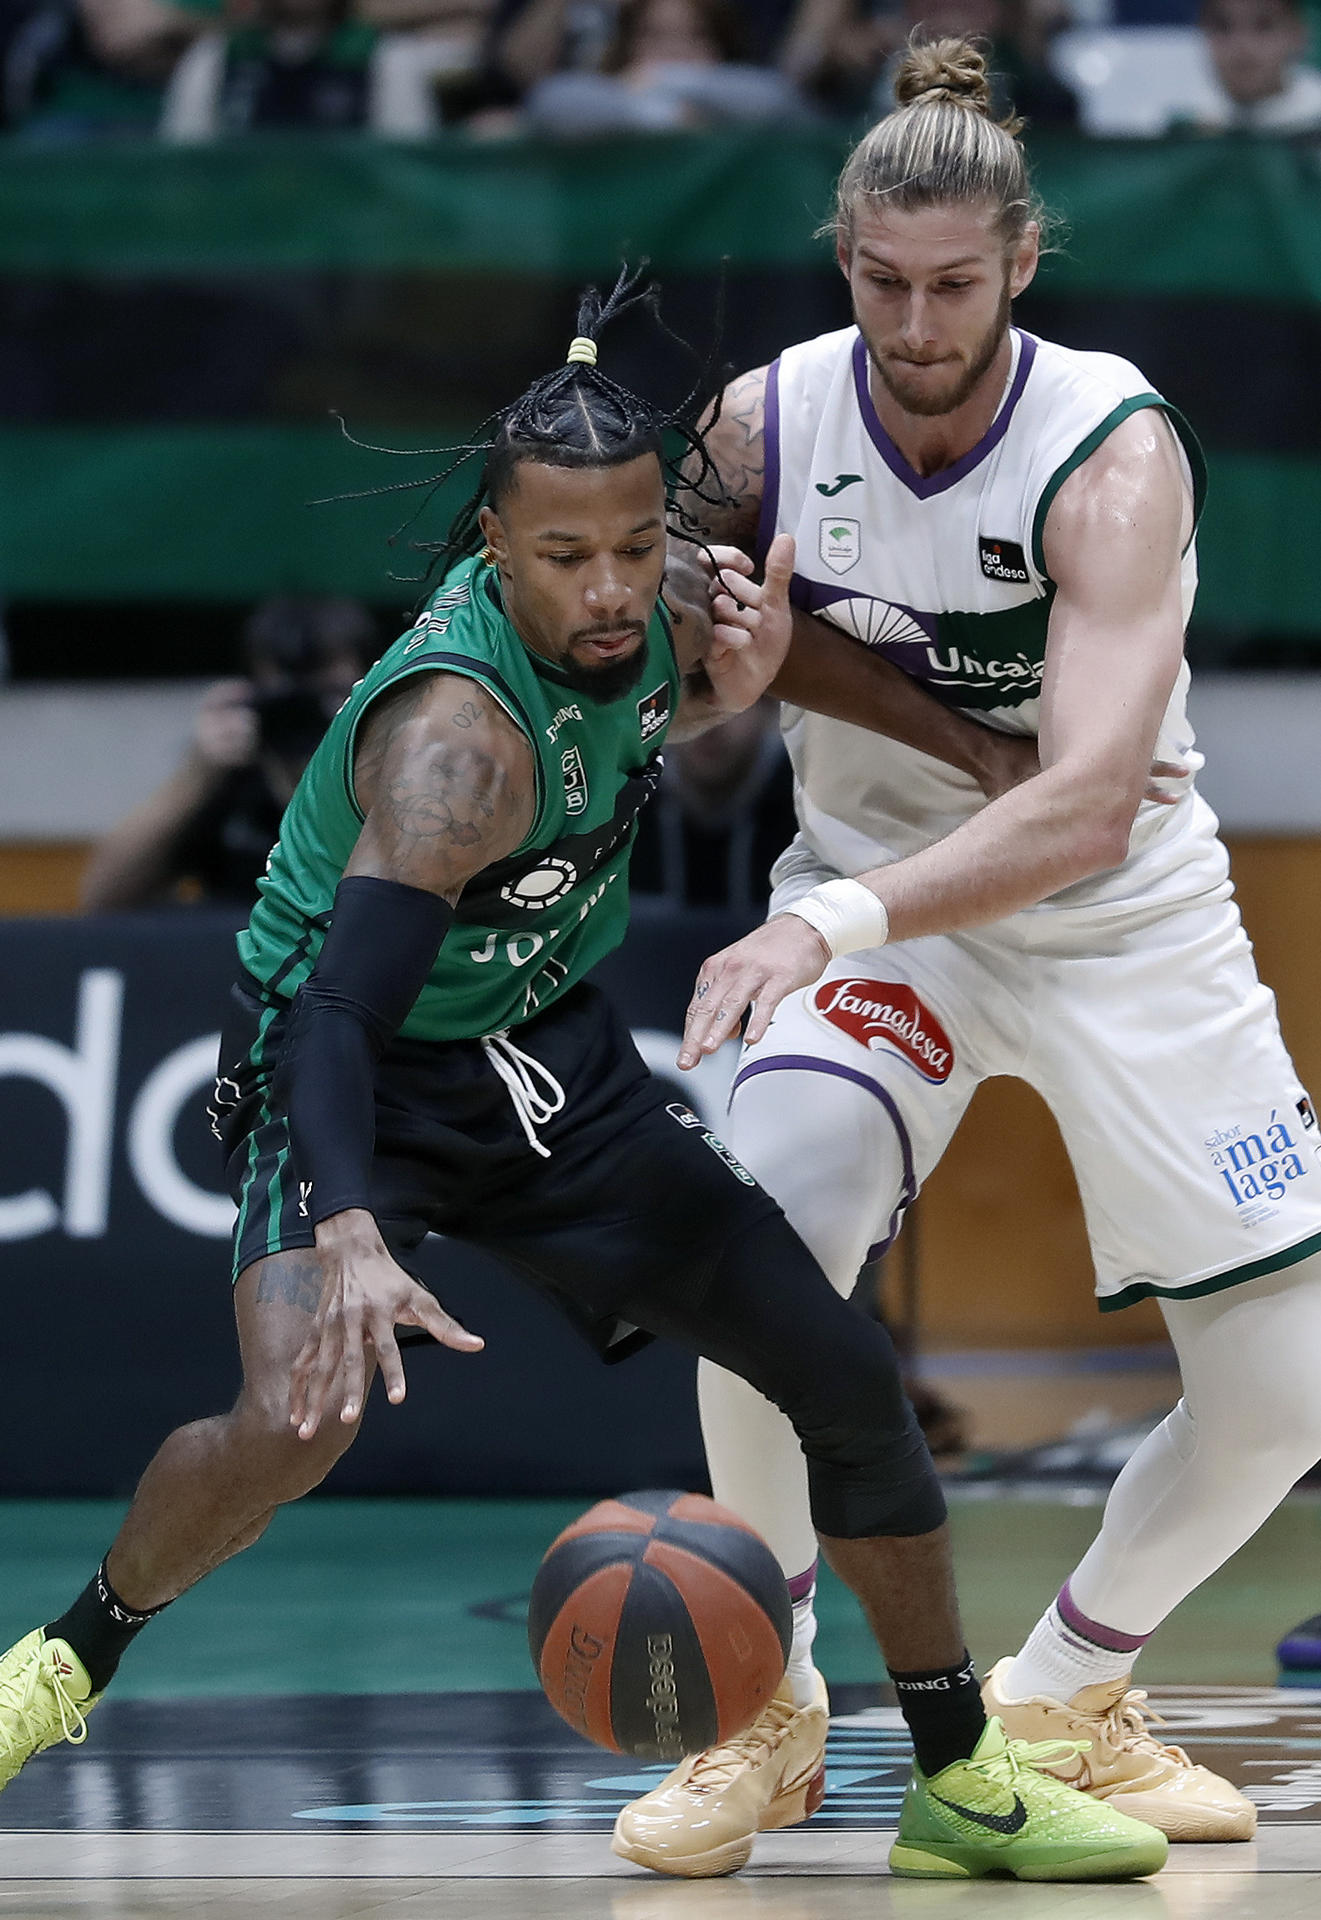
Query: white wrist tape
point(846, 914)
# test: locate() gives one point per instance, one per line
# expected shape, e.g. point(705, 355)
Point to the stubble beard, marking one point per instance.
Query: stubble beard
point(610, 681)
point(915, 399)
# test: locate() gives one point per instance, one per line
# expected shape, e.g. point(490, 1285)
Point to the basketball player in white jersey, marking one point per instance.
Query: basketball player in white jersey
point(1012, 523)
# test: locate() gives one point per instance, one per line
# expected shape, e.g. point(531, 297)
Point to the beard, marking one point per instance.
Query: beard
point(926, 400)
point(608, 682)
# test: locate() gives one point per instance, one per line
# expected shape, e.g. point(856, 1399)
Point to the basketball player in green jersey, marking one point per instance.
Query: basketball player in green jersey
point(413, 1046)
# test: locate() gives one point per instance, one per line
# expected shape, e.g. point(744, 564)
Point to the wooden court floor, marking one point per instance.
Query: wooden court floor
point(341, 1724)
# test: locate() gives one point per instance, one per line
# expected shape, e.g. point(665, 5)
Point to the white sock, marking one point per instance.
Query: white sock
point(800, 1672)
point(1059, 1660)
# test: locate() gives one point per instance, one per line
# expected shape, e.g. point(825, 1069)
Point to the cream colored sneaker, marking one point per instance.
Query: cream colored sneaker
point(1126, 1764)
point(702, 1819)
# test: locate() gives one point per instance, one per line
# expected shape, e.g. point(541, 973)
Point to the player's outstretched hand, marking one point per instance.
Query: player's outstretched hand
point(755, 973)
point(364, 1297)
point(752, 625)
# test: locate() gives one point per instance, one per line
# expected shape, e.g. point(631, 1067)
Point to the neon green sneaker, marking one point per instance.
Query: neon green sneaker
point(45, 1696)
point(997, 1812)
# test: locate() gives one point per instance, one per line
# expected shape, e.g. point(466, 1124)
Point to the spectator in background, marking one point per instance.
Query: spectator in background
point(725, 805)
point(857, 44)
point(669, 64)
point(535, 38)
point(206, 833)
point(308, 64)
point(82, 69)
point(1257, 49)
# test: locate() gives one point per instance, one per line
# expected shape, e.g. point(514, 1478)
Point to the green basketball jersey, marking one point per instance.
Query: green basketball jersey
point(529, 927)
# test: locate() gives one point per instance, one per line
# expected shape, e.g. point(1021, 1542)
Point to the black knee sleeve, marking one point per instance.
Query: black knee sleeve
point(769, 1314)
point(868, 1467)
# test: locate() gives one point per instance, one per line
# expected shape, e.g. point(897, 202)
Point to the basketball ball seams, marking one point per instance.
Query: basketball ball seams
point(698, 1511)
point(655, 1501)
point(658, 1624)
point(561, 1573)
point(663, 1701)
point(712, 1546)
point(740, 1644)
point(575, 1664)
point(613, 1515)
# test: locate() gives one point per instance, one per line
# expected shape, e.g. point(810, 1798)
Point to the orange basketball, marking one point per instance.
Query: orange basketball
point(659, 1624)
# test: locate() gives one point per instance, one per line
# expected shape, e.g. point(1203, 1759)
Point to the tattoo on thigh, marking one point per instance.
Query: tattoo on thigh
point(292, 1280)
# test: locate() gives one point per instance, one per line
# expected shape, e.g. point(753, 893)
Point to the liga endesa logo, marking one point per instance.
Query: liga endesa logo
point(883, 1013)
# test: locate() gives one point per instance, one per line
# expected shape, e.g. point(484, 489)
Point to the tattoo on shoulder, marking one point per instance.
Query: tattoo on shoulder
point(736, 443)
point(291, 1280)
point(446, 795)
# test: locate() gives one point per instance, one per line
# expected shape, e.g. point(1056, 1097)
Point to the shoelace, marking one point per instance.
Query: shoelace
point(516, 1069)
point(1126, 1726)
point(718, 1766)
point(17, 1694)
point(1023, 1756)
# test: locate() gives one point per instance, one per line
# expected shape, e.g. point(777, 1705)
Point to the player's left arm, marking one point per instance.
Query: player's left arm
point(731, 633)
point(1113, 541)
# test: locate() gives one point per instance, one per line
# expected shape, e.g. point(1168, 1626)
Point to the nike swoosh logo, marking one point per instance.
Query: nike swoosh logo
point(842, 480)
point(997, 1822)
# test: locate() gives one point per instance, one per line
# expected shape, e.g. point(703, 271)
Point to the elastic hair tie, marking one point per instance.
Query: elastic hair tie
point(582, 352)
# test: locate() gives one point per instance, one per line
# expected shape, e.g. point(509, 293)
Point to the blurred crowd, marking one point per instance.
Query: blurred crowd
point(196, 70)
point(723, 812)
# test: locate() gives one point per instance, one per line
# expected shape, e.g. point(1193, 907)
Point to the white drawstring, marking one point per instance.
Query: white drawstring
point(516, 1068)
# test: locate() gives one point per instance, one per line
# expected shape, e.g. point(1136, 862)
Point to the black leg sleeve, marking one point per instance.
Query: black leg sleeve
point(770, 1315)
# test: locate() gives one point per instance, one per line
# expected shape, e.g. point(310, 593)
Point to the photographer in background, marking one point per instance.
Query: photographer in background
point(206, 833)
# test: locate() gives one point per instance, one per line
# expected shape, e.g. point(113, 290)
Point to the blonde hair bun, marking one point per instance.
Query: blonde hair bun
point(944, 70)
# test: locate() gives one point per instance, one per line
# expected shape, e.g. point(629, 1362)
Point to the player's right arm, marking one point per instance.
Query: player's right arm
point(446, 783)
point(824, 670)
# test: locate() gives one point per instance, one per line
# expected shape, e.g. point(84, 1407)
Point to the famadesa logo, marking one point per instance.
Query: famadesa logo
point(882, 1013)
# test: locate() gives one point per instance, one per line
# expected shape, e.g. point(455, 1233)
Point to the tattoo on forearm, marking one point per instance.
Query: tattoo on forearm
point(291, 1280)
point(737, 446)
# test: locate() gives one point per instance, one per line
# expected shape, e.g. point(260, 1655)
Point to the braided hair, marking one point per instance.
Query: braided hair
point(576, 416)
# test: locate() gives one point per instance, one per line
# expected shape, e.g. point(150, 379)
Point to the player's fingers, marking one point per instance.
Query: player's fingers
point(732, 557)
point(762, 1005)
point(353, 1370)
point(388, 1359)
point(745, 593)
point(779, 569)
point(729, 612)
point(726, 639)
point(424, 1310)
point(713, 1014)
point(298, 1374)
point(324, 1367)
point(733, 639)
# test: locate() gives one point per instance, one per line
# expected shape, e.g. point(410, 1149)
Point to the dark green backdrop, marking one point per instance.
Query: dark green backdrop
point(175, 327)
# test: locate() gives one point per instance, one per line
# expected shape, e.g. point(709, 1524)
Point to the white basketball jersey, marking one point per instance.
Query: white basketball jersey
point(944, 573)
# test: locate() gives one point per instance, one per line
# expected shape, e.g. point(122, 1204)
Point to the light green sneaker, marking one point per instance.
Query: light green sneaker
point(45, 1696)
point(997, 1812)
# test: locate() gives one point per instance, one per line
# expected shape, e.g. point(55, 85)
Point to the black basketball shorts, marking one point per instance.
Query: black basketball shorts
point(635, 1204)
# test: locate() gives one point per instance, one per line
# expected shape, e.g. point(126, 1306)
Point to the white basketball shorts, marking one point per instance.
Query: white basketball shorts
point(1196, 1149)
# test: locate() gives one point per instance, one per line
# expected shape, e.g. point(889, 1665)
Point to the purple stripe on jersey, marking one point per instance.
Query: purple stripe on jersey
point(1092, 1630)
point(770, 486)
point(802, 1584)
point(924, 485)
point(807, 1063)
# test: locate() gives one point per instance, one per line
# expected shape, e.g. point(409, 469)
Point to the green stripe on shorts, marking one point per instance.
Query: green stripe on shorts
point(1235, 1277)
point(255, 1053)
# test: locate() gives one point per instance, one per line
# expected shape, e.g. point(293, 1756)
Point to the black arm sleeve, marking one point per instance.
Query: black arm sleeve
point(381, 944)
